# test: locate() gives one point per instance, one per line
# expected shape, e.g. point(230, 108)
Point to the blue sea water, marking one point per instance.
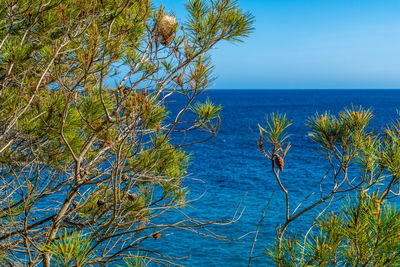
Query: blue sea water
point(232, 168)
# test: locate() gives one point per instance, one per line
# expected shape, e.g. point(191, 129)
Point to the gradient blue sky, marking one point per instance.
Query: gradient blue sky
point(312, 44)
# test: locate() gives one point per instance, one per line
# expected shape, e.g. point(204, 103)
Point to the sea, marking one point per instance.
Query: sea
point(229, 176)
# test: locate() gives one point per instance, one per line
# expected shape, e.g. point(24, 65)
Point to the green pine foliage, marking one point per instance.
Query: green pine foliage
point(364, 232)
point(71, 249)
point(88, 149)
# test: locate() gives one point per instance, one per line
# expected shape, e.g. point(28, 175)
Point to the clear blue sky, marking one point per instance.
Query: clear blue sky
point(312, 44)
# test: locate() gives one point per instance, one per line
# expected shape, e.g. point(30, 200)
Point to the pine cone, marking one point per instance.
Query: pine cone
point(132, 197)
point(126, 90)
point(100, 203)
point(260, 143)
point(279, 162)
point(157, 235)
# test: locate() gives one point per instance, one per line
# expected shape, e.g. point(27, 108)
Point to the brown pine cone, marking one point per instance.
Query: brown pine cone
point(132, 197)
point(279, 162)
point(125, 91)
point(100, 203)
point(157, 235)
point(260, 143)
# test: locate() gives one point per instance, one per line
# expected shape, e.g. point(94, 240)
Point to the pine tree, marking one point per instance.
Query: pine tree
point(364, 232)
point(90, 164)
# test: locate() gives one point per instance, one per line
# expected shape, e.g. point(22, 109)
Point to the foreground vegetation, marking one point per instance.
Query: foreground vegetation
point(365, 231)
point(91, 166)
